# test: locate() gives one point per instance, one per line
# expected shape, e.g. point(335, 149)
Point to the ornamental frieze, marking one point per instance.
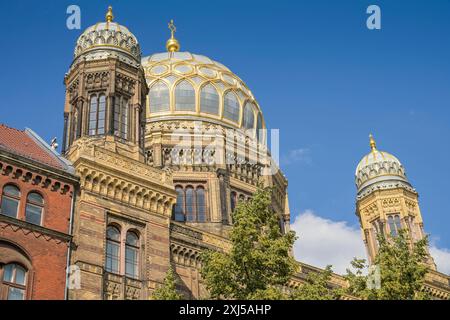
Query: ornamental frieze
point(97, 80)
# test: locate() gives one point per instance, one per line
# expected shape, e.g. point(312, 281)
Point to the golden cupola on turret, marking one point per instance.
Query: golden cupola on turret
point(379, 170)
point(106, 90)
point(386, 202)
point(108, 38)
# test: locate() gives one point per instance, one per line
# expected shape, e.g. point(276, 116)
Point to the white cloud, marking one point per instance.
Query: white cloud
point(322, 242)
point(297, 156)
point(441, 258)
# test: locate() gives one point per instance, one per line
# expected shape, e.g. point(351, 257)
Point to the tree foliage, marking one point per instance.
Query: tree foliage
point(316, 287)
point(402, 269)
point(168, 291)
point(259, 261)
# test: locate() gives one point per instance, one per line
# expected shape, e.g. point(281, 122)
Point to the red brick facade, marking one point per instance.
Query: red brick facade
point(37, 251)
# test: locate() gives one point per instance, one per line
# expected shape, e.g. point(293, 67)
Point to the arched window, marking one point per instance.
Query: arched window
point(249, 116)
point(97, 112)
point(233, 201)
point(179, 206)
point(201, 205)
point(159, 97)
point(184, 97)
point(75, 125)
point(132, 255)
point(14, 279)
point(121, 116)
point(10, 201)
point(259, 128)
point(209, 100)
point(394, 224)
point(190, 216)
point(34, 209)
point(379, 227)
point(397, 222)
point(231, 107)
point(112, 249)
point(282, 225)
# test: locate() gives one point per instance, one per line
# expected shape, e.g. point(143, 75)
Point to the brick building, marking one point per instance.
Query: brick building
point(36, 196)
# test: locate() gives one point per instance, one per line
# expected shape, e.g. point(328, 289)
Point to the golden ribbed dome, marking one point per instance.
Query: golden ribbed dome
point(185, 85)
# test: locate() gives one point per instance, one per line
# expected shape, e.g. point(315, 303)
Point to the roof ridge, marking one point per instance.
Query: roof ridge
point(10, 128)
point(46, 147)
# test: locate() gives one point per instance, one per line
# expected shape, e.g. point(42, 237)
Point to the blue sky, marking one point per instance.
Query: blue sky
point(319, 74)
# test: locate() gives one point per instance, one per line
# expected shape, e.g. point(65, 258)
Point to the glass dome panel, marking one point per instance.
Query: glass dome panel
point(184, 97)
point(259, 127)
point(159, 98)
point(249, 116)
point(231, 107)
point(209, 100)
point(158, 70)
point(183, 68)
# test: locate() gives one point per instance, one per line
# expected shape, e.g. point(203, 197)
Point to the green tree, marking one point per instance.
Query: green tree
point(168, 291)
point(316, 287)
point(402, 269)
point(258, 263)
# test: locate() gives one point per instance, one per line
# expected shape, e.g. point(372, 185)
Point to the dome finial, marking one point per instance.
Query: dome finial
point(109, 15)
point(373, 144)
point(172, 44)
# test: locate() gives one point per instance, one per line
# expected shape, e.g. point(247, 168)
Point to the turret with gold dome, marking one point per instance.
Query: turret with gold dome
point(106, 90)
point(379, 170)
point(386, 201)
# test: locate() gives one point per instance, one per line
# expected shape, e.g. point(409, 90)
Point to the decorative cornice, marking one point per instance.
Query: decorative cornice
point(38, 231)
point(125, 180)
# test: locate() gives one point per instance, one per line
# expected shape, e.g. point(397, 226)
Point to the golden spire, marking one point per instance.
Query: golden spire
point(373, 144)
point(172, 44)
point(109, 15)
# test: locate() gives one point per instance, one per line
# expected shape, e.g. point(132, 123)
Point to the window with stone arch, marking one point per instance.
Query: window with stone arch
point(191, 203)
point(75, 124)
point(10, 201)
point(97, 114)
point(34, 210)
point(14, 281)
point(234, 200)
point(209, 100)
point(159, 98)
point(132, 255)
point(231, 107)
point(15, 266)
point(200, 204)
point(179, 206)
point(113, 249)
point(184, 96)
point(394, 224)
point(121, 117)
